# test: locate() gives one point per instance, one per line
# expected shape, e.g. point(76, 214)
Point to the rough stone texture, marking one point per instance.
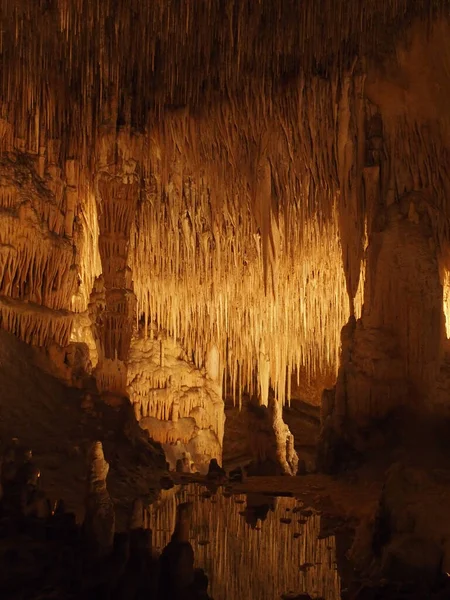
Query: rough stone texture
point(256, 213)
point(99, 520)
point(38, 234)
point(407, 539)
point(393, 353)
point(439, 400)
point(392, 356)
point(117, 185)
point(179, 405)
point(60, 425)
point(270, 442)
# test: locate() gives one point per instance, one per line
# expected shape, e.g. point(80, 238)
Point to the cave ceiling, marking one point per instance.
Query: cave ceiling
point(255, 140)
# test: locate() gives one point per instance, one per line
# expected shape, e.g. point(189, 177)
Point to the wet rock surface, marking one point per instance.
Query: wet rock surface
point(251, 545)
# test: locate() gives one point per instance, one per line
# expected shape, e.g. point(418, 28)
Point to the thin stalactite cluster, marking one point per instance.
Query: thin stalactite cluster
point(247, 130)
point(69, 65)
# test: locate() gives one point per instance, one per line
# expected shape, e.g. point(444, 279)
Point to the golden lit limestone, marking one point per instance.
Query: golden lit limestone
point(180, 405)
point(219, 166)
point(82, 333)
point(217, 293)
point(269, 440)
point(446, 285)
point(117, 186)
point(35, 324)
point(37, 270)
point(172, 56)
point(89, 264)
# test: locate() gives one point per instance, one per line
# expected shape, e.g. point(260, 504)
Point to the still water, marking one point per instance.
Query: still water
point(252, 546)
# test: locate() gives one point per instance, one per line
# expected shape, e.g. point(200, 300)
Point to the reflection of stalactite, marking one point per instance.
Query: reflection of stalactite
point(251, 563)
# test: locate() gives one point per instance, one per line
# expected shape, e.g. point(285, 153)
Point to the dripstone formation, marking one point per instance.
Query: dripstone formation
point(220, 205)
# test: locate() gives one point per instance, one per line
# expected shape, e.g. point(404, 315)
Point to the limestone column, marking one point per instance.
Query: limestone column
point(117, 191)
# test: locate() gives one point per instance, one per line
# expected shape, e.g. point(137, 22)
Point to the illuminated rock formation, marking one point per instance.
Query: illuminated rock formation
point(179, 405)
point(270, 442)
point(38, 275)
point(232, 175)
point(117, 187)
point(395, 355)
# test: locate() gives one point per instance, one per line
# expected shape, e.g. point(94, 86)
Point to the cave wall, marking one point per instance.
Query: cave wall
point(38, 249)
point(396, 353)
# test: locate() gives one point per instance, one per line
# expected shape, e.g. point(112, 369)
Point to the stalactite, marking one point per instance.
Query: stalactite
point(88, 256)
point(38, 273)
point(35, 324)
point(208, 47)
point(208, 157)
point(230, 306)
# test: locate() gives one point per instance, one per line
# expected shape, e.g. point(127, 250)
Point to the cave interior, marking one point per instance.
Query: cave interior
point(225, 256)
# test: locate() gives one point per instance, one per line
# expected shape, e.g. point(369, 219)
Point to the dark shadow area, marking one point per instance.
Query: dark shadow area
point(44, 553)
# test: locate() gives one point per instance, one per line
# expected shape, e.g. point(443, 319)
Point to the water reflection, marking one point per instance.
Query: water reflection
point(255, 546)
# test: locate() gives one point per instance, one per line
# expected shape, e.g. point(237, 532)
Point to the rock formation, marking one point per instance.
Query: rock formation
point(213, 200)
point(41, 551)
point(179, 404)
point(99, 518)
point(270, 442)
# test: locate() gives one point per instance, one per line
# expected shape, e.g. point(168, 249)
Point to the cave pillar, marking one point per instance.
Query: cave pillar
point(270, 442)
point(117, 190)
point(391, 357)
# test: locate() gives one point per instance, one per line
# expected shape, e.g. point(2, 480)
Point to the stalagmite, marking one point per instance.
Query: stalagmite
point(270, 442)
point(99, 518)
